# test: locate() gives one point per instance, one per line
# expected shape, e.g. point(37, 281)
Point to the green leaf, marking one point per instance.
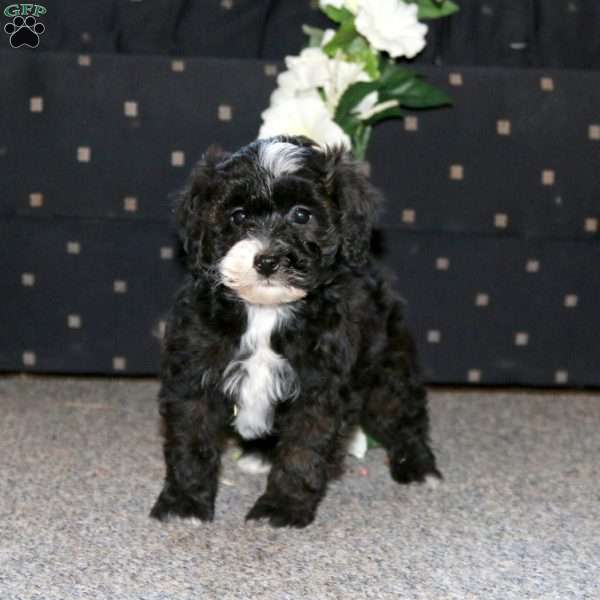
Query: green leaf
point(342, 39)
point(372, 442)
point(350, 98)
point(339, 15)
point(315, 35)
point(360, 52)
point(435, 9)
point(360, 140)
point(398, 83)
point(422, 95)
point(393, 112)
point(394, 77)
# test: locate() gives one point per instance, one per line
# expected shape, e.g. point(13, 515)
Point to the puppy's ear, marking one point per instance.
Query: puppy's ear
point(189, 203)
point(357, 201)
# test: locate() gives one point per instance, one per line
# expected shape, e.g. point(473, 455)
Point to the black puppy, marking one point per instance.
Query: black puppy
point(284, 327)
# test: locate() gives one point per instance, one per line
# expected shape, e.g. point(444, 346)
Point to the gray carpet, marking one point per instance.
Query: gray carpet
point(518, 515)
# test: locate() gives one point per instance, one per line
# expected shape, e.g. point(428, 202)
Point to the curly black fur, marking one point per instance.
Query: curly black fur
point(345, 341)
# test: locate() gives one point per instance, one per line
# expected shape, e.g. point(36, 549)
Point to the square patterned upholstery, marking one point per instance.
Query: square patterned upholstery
point(492, 222)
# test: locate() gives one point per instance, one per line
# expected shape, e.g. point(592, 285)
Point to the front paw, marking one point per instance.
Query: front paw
point(169, 505)
point(282, 512)
point(414, 464)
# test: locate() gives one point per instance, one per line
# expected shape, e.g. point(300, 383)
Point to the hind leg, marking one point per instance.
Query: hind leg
point(395, 414)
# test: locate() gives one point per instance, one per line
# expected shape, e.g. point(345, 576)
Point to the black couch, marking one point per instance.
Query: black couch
point(493, 213)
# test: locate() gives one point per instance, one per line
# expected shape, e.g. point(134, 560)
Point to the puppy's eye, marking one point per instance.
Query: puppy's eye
point(300, 215)
point(238, 216)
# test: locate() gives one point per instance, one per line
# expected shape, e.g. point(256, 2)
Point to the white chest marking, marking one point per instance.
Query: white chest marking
point(258, 377)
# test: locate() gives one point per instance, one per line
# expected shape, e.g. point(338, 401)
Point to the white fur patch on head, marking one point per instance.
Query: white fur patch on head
point(238, 273)
point(259, 377)
point(280, 158)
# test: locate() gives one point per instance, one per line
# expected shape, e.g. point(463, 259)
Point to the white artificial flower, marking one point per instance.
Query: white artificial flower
point(303, 116)
point(313, 69)
point(328, 35)
point(282, 94)
point(391, 26)
point(367, 112)
point(310, 69)
point(342, 74)
point(305, 74)
point(351, 5)
point(366, 105)
point(334, 3)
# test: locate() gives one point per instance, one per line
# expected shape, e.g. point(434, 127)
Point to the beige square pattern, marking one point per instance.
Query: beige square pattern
point(547, 84)
point(130, 108)
point(178, 158)
point(29, 358)
point(84, 60)
point(521, 338)
point(548, 177)
point(36, 199)
point(473, 375)
point(36, 104)
point(434, 336)
point(225, 112)
point(409, 215)
point(84, 154)
point(503, 127)
point(73, 248)
point(74, 321)
point(120, 286)
point(594, 132)
point(457, 172)
point(178, 66)
point(591, 225)
point(501, 220)
point(167, 252)
point(482, 299)
point(455, 79)
point(271, 70)
point(571, 300)
point(130, 204)
point(442, 263)
point(411, 123)
point(532, 265)
point(27, 279)
point(561, 376)
point(119, 363)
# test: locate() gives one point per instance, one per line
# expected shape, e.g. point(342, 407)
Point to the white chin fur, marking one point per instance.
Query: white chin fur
point(237, 266)
point(270, 294)
point(238, 273)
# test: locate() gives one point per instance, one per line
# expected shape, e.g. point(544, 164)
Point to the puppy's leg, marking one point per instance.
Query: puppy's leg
point(395, 414)
point(192, 451)
point(301, 463)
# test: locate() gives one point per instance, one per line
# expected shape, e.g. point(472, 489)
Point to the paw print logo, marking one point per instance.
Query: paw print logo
point(24, 32)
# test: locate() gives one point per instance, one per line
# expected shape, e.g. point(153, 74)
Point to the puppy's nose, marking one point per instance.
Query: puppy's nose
point(266, 264)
